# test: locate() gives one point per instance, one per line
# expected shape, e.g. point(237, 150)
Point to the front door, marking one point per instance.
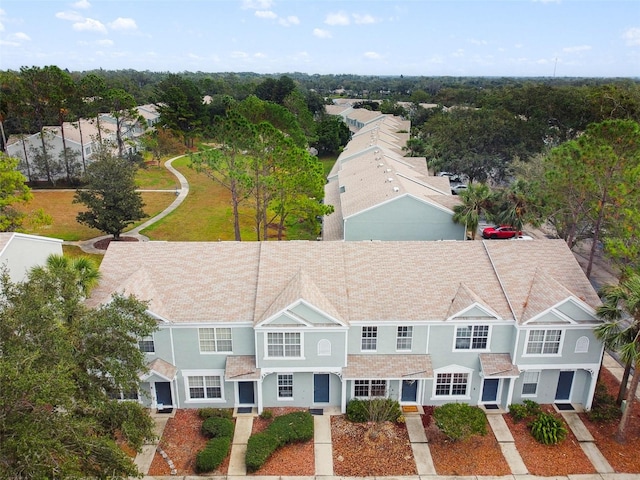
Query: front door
point(321, 388)
point(490, 390)
point(563, 391)
point(409, 390)
point(163, 395)
point(245, 393)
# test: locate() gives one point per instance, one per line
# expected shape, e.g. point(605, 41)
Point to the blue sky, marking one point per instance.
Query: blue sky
point(585, 38)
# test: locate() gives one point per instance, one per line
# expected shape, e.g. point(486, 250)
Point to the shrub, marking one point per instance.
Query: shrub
point(259, 448)
point(214, 427)
point(213, 454)
point(285, 429)
point(604, 408)
point(357, 411)
point(459, 421)
point(527, 409)
point(548, 429)
point(205, 413)
point(375, 410)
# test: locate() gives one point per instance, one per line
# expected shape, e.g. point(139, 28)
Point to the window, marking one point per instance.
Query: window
point(283, 344)
point(369, 338)
point(146, 345)
point(285, 385)
point(370, 388)
point(452, 384)
point(472, 337)
point(215, 339)
point(204, 387)
point(530, 383)
point(404, 338)
point(116, 394)
point(544, 342)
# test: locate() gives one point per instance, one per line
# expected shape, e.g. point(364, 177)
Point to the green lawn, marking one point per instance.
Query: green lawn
point(205, 215)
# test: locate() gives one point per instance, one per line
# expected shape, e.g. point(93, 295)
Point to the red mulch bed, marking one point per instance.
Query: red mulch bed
point(624, 458)
point(181, 441)
point(479, 455)
point(359, 450)
point(565, 458)
point(104, 243)
point(297, 459)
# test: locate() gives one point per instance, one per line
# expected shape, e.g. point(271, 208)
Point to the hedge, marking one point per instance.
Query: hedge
point(213, 454)
point(214, 427)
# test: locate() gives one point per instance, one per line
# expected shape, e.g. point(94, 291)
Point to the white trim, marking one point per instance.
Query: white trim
point(203, 373)
point(265, 339)
point(452, 369)
point(471, 349)
point(545, 330)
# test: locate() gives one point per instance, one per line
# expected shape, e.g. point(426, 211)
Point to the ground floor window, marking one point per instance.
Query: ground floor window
point(370, 388)
point(201, 387)
point(530, 383)
point(452, 384)
point(285, 386)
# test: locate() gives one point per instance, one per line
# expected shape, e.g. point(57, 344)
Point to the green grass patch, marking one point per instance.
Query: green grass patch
point(205, 215)
point(72, 251)
point(59, 204)
point(156, 177)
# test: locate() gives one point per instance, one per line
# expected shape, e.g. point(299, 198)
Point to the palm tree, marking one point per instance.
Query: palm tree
point(621, 332)
point(476, 202)
point(72, 278)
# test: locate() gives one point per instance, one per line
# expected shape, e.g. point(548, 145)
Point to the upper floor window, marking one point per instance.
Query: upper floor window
point(474, 337)
point(283, 344)
point(146, 345)
point(544, 342)
point(452, 384)
point(215, 339)
point(369, 388)
point(369, 338)
point(404, 338)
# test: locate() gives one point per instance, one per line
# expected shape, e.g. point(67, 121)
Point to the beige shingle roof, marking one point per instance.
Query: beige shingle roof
point(498, 365)
point(405, 367)
point(353, 281)
point(241, 367)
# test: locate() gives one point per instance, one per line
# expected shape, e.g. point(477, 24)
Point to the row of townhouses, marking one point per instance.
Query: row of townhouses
point(82, 139)
point(393, 303)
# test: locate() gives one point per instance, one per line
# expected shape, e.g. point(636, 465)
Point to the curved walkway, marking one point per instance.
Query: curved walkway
point(181, 195)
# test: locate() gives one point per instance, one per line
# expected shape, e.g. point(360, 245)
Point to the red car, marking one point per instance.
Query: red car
point(502, 231)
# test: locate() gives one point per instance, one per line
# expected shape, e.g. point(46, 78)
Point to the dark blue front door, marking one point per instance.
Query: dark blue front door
point(245, 393)
point(409, 390)
point(490, 390)
point(321, 388)
point(563, 392)
point(163, 394)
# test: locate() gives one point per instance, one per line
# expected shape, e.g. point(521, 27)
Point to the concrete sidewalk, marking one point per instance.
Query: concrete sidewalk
point(419, 444)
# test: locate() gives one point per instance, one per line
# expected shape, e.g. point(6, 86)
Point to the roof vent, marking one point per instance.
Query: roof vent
point(390, 179)
point(388, 169)
point(396, 189)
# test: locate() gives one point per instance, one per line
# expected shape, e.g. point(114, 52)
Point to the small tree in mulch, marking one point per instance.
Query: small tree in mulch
point(460, 421)
point(376, 412)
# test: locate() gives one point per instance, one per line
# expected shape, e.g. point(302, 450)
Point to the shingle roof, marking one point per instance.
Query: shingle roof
point(353, 281)
point(405, 367)
point(498, 365)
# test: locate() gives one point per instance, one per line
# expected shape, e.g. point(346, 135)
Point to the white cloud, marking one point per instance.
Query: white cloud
point(19, 37)
point(320, 33)
point(265, 14)
point(259, 55)
point(82, 4)
point(105, 42)
point(458, 53)
point(6, 43)
point(121, 23)
point(71, 16)
point(239, 54)
point(91, 25)
point(363, 19)
point(372, 55)
point(288, 21)
point(577, 49)
point(632, 37)
point(338, 18)
point(478, 42)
